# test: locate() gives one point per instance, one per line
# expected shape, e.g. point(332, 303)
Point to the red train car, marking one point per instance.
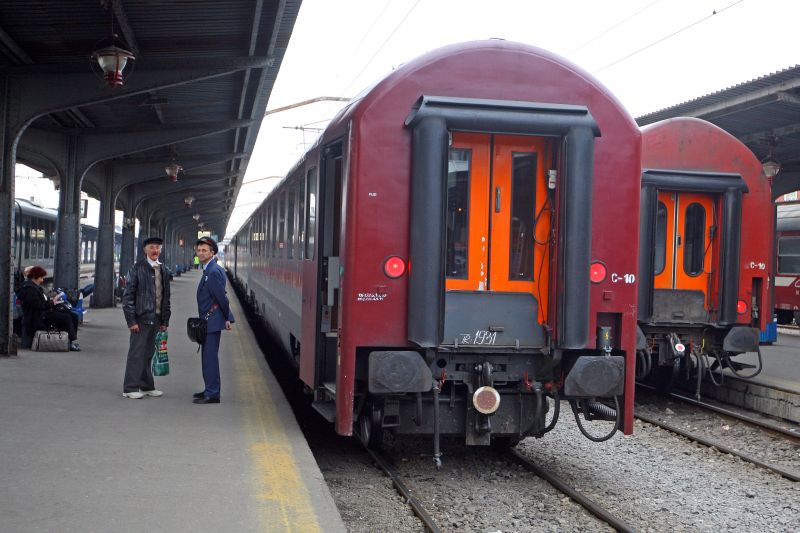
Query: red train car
point(454, 253)
point(705, 250)
point(787, 274)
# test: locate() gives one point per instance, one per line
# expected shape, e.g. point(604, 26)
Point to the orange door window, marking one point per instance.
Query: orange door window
point(498, 220)
point(683, 244)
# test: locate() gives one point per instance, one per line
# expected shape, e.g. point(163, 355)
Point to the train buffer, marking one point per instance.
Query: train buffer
point(77, 456)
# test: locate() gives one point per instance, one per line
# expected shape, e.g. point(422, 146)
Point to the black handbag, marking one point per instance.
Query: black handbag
point(197, 327)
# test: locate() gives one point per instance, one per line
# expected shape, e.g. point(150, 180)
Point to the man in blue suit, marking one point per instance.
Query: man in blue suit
point(212, 303)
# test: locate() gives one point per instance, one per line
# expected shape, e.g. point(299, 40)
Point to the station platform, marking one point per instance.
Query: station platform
point(75, 456)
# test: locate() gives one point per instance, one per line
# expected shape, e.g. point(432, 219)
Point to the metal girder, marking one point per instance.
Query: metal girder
point(759, 136)
point(13, 50)
point(125, 27)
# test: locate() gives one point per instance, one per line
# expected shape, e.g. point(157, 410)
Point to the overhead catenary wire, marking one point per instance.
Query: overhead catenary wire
point(383, 44)
point(662, 39)
point(612, 28)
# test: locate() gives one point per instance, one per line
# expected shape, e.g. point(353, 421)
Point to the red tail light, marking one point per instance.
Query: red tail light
point(741, 307)
point(394, 267)
point(597, 272)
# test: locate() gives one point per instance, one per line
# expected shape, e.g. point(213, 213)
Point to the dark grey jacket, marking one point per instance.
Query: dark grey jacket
point(139, 298)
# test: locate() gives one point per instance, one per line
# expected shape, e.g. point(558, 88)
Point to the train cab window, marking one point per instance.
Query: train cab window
point(789, 255)
point(694, 231)
point(311, 212)
point(458, 173)
point(290, 223)
point(660, 246)
point(523, 215)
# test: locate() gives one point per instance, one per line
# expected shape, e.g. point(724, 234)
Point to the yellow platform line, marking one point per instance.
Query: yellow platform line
point(283, 500)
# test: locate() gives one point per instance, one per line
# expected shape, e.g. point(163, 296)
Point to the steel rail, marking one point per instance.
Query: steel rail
point(732, 414)
point(721, 447)
point(588, 504)
point(416, 505)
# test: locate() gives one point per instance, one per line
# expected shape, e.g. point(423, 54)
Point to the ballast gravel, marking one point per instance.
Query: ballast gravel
point(654, 480)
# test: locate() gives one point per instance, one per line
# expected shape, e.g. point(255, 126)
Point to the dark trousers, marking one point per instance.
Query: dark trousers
point(63, 321)
point(211, 364)
point(138, 375)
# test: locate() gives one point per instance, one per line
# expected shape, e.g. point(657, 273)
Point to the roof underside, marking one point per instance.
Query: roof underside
point(55, 37)
point(763, 113)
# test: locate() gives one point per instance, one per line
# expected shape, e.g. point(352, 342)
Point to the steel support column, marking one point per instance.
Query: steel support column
point(103, 295)
point(68, 235)
point(9, 132)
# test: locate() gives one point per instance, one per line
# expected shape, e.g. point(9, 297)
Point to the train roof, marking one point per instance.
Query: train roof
point(564, 83)
point(30, 208)
point(696, 145)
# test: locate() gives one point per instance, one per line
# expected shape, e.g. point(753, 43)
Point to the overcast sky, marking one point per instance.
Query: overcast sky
point(650, 54)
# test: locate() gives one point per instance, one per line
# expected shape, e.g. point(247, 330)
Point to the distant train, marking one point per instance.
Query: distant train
point(454, 254)
point(787, 276)
point(705, 250)
point(35, 239)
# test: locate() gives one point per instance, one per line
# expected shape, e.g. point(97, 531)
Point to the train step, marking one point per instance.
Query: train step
point(326, 409)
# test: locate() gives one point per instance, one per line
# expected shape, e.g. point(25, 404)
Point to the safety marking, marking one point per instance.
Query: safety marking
point(283, 500)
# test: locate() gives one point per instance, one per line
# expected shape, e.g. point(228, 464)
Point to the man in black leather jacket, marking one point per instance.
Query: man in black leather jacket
point(145, 303)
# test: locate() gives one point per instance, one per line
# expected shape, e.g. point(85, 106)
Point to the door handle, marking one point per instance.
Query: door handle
point(679, 240)
point(496, 199)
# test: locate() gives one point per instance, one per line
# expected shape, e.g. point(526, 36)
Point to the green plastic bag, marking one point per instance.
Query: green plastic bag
point(160, 365)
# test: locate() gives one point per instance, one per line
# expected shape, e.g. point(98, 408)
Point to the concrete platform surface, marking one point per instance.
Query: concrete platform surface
point(77, 457)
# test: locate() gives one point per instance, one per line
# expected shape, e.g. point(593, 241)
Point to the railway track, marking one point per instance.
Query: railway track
point(585, 502)
point(763, 424)
point(516, 458)
point(727, 413)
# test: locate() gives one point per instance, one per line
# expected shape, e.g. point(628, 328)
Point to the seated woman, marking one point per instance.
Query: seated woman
point(40, 313)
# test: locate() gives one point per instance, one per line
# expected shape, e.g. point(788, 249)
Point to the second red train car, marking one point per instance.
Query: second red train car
point(705, 250)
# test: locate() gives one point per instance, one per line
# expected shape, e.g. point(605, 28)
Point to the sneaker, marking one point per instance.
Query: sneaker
point(74, 347)
point(135, 395)
point(155, 393)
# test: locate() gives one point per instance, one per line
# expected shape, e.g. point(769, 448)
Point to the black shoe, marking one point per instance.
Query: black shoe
point(205, 400)
point(198, 395)
point(74, 347)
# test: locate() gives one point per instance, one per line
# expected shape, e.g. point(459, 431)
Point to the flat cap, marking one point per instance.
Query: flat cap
point(153, 240)
point(208, 241)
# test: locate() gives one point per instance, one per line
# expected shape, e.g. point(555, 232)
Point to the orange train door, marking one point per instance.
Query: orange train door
point(498, 224)
point(683, 247)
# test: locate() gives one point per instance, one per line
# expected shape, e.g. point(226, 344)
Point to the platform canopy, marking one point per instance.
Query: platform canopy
point(763, 113)
point(194, 96)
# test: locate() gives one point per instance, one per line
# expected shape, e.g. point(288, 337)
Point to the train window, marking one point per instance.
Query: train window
point(26, 237)
point(660, 246)
point(789, 255)
point(282, 225)
point(694, 231)
point(273, 235)
point(290, 224)
point(301, 220)
point(311, 212)
point(458, 177)
point(523, 215)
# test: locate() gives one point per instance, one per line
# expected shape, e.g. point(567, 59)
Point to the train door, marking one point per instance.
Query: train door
point(498, 217)
point(321, 271)
point(685, 227)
